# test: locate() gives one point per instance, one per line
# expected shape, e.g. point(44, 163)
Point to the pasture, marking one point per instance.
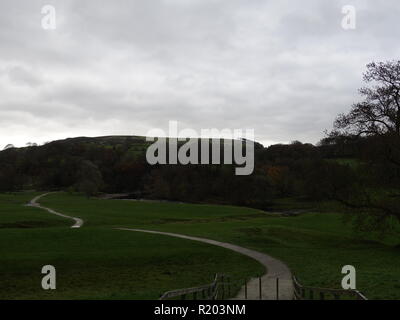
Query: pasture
point(99, 262)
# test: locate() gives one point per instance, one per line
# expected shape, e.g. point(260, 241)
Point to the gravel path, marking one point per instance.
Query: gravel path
point(34, 203)
point(276, 269)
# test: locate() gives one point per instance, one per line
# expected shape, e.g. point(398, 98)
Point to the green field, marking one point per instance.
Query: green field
point(99, 262)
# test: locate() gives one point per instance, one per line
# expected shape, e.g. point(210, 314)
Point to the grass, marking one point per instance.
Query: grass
point(351, 162)
point(315, 245)
point(98, 262)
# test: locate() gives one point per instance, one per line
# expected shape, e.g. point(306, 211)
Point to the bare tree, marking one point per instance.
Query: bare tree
point(31, 144)
point(9, 146)
point(377, 117)
point(379, 113)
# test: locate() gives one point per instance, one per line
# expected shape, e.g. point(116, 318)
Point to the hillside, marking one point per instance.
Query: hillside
point(117, 164)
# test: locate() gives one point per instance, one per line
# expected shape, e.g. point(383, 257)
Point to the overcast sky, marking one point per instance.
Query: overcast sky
point(284, 68)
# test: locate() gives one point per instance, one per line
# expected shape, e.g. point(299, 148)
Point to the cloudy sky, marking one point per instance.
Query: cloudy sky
point(282, 67)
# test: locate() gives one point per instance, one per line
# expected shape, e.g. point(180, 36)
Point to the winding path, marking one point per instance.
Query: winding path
point(34, 203)
point(276, 269)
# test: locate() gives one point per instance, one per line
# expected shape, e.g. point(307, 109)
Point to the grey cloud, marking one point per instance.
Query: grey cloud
point(22, 76)
point(284, 68)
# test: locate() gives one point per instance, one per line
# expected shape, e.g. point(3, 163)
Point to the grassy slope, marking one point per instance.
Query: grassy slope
point(315, 245)
point(97, 262)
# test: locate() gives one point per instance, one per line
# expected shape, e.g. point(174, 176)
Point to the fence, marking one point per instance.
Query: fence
point(311, 293)
point(223, 287)
point(220, 288)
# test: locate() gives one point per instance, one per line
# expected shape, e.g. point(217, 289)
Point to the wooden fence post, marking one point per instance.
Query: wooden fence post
point(245, 289)
point(223, 287)
point(277, 288)
point(229, 286)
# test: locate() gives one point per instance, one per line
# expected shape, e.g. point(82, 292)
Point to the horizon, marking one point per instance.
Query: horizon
point(139, 136)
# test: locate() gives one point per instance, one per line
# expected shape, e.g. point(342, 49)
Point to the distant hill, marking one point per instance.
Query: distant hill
point(117, 164)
